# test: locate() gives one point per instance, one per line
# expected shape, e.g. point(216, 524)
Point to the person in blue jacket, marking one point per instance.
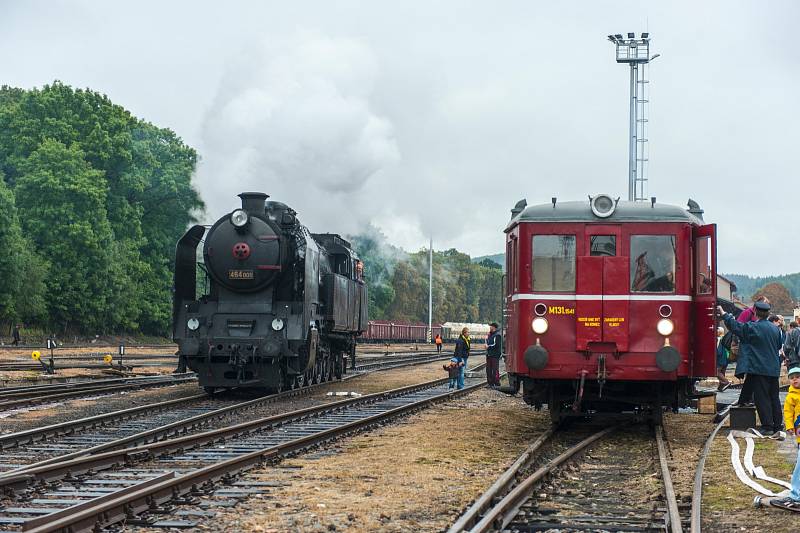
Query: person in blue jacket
point(759, 343)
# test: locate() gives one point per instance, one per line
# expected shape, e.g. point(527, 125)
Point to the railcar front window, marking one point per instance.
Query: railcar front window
point(553, 263)
point(603, 245)
point(653, 263)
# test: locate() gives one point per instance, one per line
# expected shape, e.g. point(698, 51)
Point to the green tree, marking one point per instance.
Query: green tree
point(70, 227)
point(379, 258)
point(22, 290)
point(11, 244)
point(142, 175)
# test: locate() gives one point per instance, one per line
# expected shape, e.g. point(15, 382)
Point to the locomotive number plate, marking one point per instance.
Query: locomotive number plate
point(241, 274)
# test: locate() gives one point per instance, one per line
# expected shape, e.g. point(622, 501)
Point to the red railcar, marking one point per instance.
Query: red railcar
point(387, 331)
point(611, 304)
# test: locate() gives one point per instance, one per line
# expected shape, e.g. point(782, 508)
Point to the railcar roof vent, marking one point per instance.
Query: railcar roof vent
point(519, 207)
point(253, 202)
point(694, 208)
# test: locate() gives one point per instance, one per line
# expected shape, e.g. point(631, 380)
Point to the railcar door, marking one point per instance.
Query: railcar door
point(704, 302)
point(602, 292)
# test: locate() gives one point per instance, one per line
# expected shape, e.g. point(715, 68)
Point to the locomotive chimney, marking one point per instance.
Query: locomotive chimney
point(253, 202)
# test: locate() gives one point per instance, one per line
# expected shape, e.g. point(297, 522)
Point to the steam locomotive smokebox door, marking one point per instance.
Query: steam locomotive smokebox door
point(588, 313)
point(615, 301)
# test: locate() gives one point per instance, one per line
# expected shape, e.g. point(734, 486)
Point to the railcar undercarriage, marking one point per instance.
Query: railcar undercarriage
point(580, 398)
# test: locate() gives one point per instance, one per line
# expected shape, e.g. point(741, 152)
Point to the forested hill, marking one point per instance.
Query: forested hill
point(499, 259)
point(463, 291)
point(92, 202)
point(746, 286)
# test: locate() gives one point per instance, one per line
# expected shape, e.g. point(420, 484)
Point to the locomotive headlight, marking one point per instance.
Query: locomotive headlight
point(277, 324)
point(539, 325)
point(665, 327)
point(193, 324)
point(239, 218)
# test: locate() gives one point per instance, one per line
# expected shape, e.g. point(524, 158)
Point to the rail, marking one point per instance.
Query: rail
point(312, 427)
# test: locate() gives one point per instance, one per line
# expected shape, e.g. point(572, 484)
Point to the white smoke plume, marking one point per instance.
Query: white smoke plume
point(293, 118)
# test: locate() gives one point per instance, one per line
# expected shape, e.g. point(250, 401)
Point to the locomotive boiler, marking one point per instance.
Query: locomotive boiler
point(271, 305)
point(611, 305)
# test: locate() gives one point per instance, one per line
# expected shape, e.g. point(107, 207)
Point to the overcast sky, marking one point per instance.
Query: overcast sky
point(434, 118)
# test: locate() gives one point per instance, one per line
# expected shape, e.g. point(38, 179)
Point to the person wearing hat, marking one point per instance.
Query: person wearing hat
point(748, 315)
point(791, 417)
point(759, 344)
point(493, 351)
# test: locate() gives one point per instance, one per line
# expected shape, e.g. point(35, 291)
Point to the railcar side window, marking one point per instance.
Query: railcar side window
point(553, 262)
point(652, 263)
point(703, 283)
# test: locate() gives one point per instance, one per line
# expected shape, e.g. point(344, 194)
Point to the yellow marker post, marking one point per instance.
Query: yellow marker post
point(36, 355)
point(108, 358)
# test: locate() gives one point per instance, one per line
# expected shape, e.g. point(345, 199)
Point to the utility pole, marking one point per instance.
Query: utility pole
point(430, 291)
point(636, 52)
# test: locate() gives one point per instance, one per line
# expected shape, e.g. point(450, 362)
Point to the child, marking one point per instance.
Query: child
point(452, 367)
point(791, 416)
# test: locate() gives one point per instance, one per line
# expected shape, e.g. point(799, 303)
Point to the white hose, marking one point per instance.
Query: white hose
point(753, 470)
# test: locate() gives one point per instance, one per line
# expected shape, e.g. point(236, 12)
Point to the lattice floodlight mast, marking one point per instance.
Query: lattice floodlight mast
point(636, 53)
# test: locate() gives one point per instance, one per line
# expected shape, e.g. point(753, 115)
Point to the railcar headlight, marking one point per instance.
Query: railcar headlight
point(193, 324)
point(277, 324)
point(539, 325)
point(239, 218)
point(603, 205)
point(665, 327)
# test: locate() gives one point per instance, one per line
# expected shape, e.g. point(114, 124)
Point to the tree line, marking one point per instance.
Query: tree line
point(463, 291)
point(92, 202)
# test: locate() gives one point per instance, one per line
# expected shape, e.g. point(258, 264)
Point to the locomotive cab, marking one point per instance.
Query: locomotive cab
point(611, 305)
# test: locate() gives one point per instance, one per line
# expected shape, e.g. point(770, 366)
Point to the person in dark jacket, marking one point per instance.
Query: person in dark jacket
point(15, 335)
point(758, 353)
point(462, 353)
point(748, 315)
point(722, 358)
point(452, 367)
point(494, 343)
point(791, 346)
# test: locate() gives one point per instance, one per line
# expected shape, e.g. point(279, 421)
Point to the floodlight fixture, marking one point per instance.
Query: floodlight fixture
point(635, 52)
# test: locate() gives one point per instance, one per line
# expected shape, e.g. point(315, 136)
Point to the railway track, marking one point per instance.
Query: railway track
point(17, 397)
point(95, 360)
point(581, 481)
point(139, 484)
point(25, 396)
point(130, 427)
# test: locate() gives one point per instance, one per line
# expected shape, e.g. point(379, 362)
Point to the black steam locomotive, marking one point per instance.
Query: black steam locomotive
point(281, 307)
